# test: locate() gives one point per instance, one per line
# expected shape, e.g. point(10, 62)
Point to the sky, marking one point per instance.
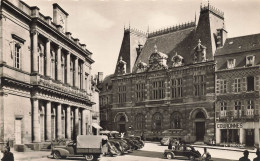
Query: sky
point(100, 23)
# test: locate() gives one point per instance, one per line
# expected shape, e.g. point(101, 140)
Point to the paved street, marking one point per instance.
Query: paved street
point(151, 152)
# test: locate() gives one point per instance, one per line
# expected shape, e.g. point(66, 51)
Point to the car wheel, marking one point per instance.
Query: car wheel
point(169, 156)
point(89, 157)
point(192, 158)
point(56, 155)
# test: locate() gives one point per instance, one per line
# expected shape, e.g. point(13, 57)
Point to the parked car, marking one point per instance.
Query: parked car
point(166, 140)
point(182, 150)
point(89, 146)
point(112, 150)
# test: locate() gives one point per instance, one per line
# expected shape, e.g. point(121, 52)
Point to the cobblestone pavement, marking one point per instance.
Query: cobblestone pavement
point(151, 152)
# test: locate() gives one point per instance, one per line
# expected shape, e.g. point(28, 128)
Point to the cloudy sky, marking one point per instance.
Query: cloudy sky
point(100, 23)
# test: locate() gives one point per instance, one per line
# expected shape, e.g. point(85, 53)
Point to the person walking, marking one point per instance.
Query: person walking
point(170, 144)
point(258, 155)
point(245, 157)
point(7, 155)
point(206, 155)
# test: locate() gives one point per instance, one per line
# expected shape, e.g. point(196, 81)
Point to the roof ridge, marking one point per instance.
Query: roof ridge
point(172, 29)
point(243, 36)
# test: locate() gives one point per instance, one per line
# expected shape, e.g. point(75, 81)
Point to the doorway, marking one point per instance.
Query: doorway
point(250, 139)
point(200, 131)
point(122, 128)
point(18, 130)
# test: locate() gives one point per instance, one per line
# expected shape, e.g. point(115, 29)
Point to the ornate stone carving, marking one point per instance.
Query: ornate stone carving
point(121, 66)
point(141, 67)
point(157, 60)
point(199, 53)
point(177, 60)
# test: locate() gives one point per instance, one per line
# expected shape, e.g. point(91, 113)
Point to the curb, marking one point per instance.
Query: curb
point(220, 148)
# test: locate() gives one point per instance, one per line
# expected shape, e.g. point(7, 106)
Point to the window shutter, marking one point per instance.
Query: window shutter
point(217, 86)
point(257, 83)
point(244, 85)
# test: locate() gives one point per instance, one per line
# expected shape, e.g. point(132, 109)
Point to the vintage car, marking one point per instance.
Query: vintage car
point(182, 150)
point(89, 146)
point(166, 140)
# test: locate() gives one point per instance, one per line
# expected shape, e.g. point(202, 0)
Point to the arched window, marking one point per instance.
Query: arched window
point(122, 119)
point(140, 122)
point(176, 120)
point(157, 121)
point(200, 115)
point(40, 59)
point(53, 64)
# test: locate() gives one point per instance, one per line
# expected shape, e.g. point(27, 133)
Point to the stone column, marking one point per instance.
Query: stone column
point(48, 58)
point(83, 119)
point(59, 123)
point(59, 63)
point(242, 136)
point(218, 136)
point(83, 76)
point(35, 52)
point(36, 122)
point(68, 68)
point(48, 121)
point(76, 72)
point(68, 123)
point(76, 121)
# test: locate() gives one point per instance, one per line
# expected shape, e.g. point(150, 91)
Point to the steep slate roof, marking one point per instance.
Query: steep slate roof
point(240, 44)
point(180, 41)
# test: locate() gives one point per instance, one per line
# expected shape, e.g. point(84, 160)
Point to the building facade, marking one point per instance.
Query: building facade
point(237, 90)
point(46, 89)
point(164, 81)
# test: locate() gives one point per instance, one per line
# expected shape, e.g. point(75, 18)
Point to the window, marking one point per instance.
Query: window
point(86, 81)
point(231, 63)
point(223, 109)
point(53, 64)
point(140, 122)
point(199, 85)
point(237, 85)
point(63, 68)
point(237, 112)
point(140, 92)
point(177, 87)
point(158, 90)
point(121, 94)
point(80, 75)
point(157, 121)
point(250, 60)
point(17, 56)
point(250, 108)
point(176, 120)
point(223, 86)
point(72, 72)
point(250, 83)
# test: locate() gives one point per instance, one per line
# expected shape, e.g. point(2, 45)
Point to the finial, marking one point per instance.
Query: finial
point(124, 26)
point(208, 3)
point(195, 17)
point(155, 48)
point(121, 58)
point(200, 5)
point(148, 29)
point(176, 53)
point(129, 25)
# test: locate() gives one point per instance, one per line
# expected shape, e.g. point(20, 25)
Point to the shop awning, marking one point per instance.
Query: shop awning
point(95, 125)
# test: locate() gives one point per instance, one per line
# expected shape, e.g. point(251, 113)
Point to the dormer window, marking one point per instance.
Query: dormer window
point(250, 60)
point(231, 63)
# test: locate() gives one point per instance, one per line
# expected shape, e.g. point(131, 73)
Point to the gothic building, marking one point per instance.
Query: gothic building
point(45, 84)
point(164, 81)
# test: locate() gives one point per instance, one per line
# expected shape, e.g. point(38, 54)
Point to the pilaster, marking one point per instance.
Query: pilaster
point(35, 51)
point(68, 123)
point(48, 121)
point(36, 122)
point(59, 123)
point(48, 58)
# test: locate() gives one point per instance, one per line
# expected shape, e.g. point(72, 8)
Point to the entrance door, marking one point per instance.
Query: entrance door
point(121, 128)
point(200, 131)
point(18, 131)
point(250, 139)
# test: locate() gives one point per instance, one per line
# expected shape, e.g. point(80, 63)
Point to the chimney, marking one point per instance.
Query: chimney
point(100, 77)
point(48, 19)
point(221, 37)
point(35, 11)
point(68, 34)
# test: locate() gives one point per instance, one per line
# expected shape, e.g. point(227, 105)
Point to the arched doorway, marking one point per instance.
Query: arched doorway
point(121, 124)
point(200, 126)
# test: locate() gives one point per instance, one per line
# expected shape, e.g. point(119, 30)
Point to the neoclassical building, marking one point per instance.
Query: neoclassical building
point(164, 81)
point(45, 91)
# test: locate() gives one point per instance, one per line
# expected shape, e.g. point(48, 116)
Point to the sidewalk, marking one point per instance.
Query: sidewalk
point(251, 150)
point(21, 156)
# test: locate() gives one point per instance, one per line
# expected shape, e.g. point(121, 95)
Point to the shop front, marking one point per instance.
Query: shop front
point(237, 134)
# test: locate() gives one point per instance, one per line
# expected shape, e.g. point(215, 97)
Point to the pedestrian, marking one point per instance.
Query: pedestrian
point(245, 157)
point(258, 155)
point(206, 155)
point(170, 144)
point(7, 155)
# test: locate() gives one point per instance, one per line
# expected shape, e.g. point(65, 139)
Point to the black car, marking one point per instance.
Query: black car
point(182, 150)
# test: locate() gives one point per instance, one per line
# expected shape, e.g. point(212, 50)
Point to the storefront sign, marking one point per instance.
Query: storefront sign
point(229, 125)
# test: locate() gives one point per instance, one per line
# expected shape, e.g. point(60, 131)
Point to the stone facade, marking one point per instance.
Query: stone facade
point(45, 73)
point(170, 89)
